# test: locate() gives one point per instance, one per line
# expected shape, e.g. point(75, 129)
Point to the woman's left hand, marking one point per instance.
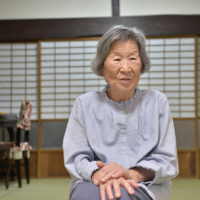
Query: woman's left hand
point(107, 172)
point(106, 188)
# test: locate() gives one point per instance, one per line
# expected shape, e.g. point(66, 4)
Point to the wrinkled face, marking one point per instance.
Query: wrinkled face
point(122, 67)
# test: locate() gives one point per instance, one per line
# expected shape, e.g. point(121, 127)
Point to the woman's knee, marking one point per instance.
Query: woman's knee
point(85, 191)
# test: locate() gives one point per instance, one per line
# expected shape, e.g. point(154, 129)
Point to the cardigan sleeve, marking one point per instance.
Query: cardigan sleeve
point(78, 156)
point(163, 158)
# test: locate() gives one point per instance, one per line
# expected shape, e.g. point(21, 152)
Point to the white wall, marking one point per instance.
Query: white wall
point(42, 9)
point(159, 7)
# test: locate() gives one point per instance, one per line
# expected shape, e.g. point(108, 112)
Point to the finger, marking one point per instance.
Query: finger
point(100, 164)
point(109, 190)
point(103, 191)
point(98, 176)
point(107, 177)
point(116, 188)
point(126, 185)
point(122, 173)
point(133, 184)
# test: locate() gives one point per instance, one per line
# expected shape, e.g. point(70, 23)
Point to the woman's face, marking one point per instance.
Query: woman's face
point(122, 68)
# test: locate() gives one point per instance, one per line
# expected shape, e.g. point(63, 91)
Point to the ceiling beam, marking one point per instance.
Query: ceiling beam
point(21, 30)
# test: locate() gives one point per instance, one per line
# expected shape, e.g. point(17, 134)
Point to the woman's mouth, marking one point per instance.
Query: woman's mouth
point(125, 80)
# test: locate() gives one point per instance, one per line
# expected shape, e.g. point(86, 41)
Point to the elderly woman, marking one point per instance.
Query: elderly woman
point(120, 142)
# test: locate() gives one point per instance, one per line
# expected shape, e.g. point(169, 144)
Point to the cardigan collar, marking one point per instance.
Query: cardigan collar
point(121, 104)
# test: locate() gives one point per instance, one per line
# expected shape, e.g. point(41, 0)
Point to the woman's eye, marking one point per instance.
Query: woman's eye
point(133, 59)
point(117, 59)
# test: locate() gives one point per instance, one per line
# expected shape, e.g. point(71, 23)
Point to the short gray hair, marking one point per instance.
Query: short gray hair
point(120, 33)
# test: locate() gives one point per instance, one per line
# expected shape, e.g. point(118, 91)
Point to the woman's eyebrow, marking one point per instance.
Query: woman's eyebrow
point(118, 52)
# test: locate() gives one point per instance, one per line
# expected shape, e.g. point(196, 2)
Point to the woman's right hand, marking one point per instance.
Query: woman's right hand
point(106, 188)
point(110, 171)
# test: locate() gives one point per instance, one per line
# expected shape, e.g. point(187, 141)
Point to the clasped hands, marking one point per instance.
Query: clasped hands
point(112, 176)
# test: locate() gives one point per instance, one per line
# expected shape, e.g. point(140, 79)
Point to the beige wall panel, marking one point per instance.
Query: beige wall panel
point(32, 166)
point(159, 7)
point(187, 164)
point(44, 9)
point(52, 164)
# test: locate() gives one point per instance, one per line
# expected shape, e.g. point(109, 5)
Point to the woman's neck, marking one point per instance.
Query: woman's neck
point(119, 96)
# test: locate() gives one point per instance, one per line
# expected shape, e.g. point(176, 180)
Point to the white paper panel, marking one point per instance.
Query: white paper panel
point(89, 56)
point(5, 53)
point(47, 103)
point(32, 65)
point(47, 51)
point(172, 68)
point(62, 103)
point(47, 90)
point(77, 89)
point(62, 83)
point(91, 82)
point(77, 82)
point(49, 109)
point(62, 51)
point(47, 96)
point(187, 47)
point(76, 57)
point(31, 46)
point(47, 83)
point(77, 76)
point(171, 41)
point(63, 115)
point(62, 90)
point(91, 43)
point(171, 54)
point(175, 114)
point(5, 46)
point(156, 48)
point(156, 41)
point(62, 57)
point(76, 44)
point(47, 64)
point(47, 44)
point(17, 59)
point(77, 50)
point(62, 70)
point(187, 40)
point(5, 65)
point(76, 70)
point(18, 52)
point(187, 114)
point(172, 48)
point(76, 63)
point(90, 50)
point(61, 76)
point(5, 59)
point(18, 46)
point(47, 116)
point(31, 97)
point(61, 64)
point(91, 88)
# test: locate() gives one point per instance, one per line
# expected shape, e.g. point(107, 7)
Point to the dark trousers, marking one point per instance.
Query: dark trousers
point(89, 191)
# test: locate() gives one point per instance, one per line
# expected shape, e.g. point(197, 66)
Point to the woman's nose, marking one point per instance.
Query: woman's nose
point(125, 67)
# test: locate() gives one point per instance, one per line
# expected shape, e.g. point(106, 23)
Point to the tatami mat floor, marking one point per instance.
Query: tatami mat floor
point(57, 189)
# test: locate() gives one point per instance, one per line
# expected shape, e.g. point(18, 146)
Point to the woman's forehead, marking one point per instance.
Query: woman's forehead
point(129, 46)
point(124, 44)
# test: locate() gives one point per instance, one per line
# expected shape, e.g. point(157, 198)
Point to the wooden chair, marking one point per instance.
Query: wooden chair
point(21, 149)
point(24, 123)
